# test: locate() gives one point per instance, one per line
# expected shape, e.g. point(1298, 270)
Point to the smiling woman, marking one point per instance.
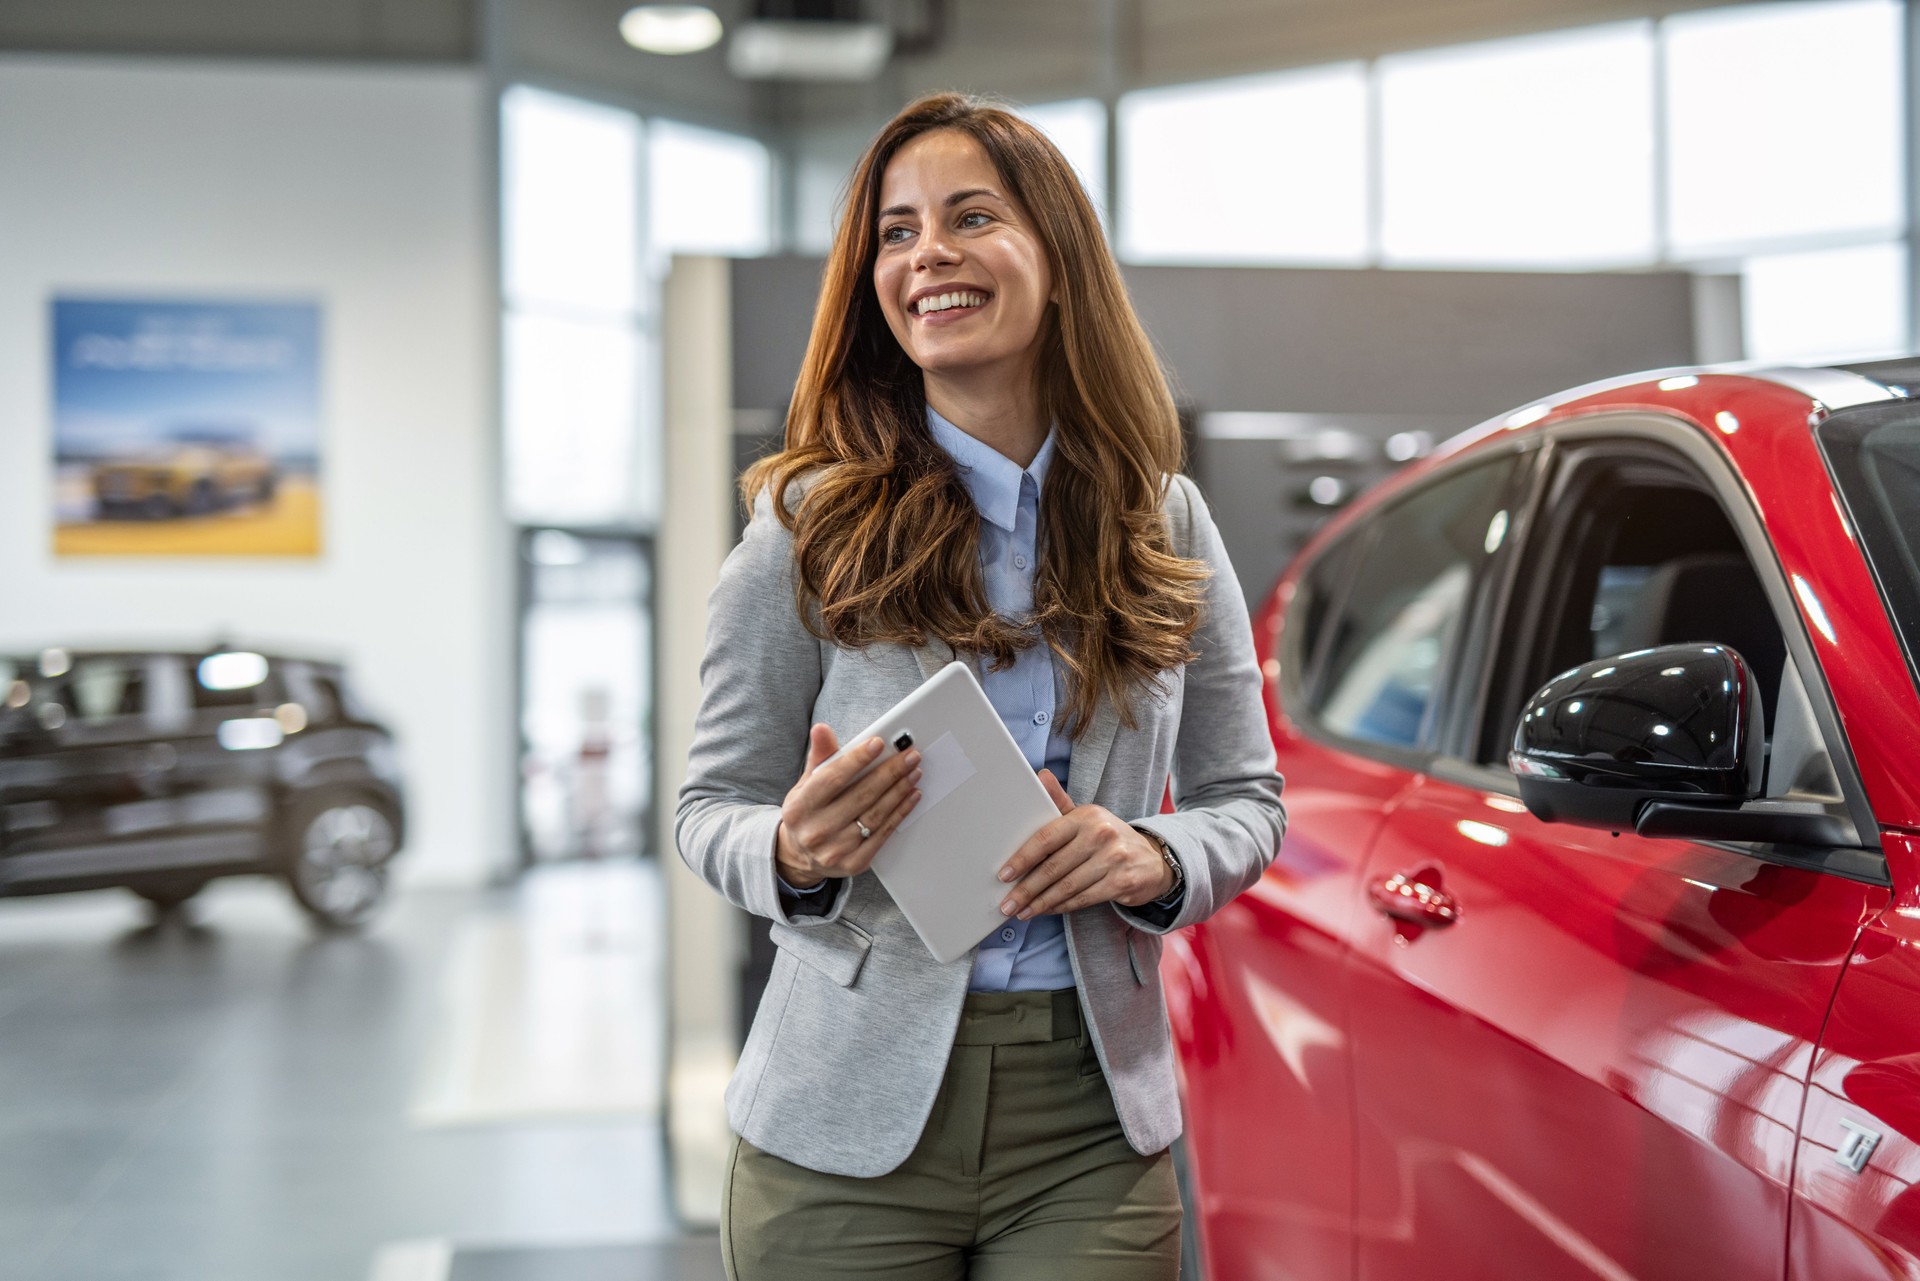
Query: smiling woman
point(981, 461)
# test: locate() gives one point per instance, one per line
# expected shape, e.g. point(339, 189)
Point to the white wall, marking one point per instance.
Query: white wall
point(368, 190)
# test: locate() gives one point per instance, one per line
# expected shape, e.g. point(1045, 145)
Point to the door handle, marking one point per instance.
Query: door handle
point(1407, 898)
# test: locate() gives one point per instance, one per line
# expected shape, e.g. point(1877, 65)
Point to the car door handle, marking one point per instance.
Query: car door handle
point(1405, 897)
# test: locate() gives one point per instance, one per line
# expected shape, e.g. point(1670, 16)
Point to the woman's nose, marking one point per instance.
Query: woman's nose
point(936, 250)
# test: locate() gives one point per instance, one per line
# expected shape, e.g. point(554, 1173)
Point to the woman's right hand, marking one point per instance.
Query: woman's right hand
point(818, 837)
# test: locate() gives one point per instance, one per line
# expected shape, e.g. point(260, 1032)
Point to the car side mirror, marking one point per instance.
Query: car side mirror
point(1614, 742)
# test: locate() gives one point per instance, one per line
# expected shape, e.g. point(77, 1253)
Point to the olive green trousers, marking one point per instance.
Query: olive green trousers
point(1022, 1174)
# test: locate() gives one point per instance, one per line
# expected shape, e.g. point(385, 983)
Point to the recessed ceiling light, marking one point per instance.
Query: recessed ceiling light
point(671, 28)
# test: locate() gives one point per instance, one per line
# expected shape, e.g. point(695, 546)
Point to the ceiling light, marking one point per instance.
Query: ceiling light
point(671, 28)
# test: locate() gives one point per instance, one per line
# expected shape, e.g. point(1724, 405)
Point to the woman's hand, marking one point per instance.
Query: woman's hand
point(1085, 856)
point(818, 836)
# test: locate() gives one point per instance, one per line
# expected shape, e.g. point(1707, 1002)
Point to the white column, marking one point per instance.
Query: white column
point(705, 939)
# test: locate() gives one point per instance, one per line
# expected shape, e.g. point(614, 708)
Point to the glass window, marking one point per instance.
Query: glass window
point(574, 422)
point(570, 193)
point(707, 192)
point(1875, 452)
point(1265, 169)
point(103, 689)
point(1757, 93)
point(1535, 151)
point(1826, 304)
point(1407, 598)
point(1079, 129)
point(221, 683)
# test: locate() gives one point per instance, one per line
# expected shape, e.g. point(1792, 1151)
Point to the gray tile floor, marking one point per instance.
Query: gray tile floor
point(228, 1101)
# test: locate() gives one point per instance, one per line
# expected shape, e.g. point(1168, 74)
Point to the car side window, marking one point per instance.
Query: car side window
point(103, 690)
point(1643, 554)
point(1405, 603)
point(234, 682)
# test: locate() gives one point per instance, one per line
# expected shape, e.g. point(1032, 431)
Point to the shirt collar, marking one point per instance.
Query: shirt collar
point(991, 477)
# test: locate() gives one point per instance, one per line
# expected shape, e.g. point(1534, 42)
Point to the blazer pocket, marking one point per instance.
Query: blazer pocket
point(1143, 953)
point(837, 949)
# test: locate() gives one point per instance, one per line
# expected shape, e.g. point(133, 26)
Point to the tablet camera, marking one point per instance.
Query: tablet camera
point(902, 742)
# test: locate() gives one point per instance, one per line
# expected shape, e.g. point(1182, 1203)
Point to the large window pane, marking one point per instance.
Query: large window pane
point(708, 192)
point(1267, 169)
point(574, 422)
point(570, 202)
point(1529, 152)
point(1785, 121)
point(1826, 304)
point(1079, 129)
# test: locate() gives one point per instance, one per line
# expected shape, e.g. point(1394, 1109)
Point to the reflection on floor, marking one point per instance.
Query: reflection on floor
point(475, 1081)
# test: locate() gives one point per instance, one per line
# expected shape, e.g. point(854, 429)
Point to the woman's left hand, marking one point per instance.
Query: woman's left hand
point(1084, 857)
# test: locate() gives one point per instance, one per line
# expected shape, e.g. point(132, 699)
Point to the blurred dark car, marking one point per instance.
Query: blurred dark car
point(160, 771)
point(194, 471)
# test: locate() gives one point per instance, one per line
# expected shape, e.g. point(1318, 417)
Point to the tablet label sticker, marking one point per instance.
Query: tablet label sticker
point(943, 767)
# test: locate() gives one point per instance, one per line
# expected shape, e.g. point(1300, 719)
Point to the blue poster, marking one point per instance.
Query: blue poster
point(186, 428)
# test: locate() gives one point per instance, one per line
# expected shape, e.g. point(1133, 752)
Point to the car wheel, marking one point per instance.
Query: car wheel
point(168, 897)
point(337, 866)
point(1192, 1258)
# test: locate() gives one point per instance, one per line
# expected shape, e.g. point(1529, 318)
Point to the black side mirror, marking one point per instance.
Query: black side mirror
point(1601, 745)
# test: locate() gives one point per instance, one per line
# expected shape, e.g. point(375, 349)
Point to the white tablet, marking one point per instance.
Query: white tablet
point(979, 802)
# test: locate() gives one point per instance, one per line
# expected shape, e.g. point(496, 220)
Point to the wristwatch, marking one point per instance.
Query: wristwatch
point(1173, 864)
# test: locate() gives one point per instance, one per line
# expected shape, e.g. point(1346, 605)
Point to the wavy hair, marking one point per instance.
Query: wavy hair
point(886, 534)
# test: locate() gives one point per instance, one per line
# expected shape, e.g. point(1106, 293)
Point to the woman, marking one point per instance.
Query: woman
point(981, 458)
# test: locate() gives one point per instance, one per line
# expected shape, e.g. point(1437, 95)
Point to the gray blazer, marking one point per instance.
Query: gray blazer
point(852, 1036)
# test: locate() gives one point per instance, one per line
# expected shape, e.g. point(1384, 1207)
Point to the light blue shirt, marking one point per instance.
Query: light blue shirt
point(1031, 955)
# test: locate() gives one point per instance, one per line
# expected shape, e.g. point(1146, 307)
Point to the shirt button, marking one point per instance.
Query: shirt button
point(1006, 936)
point(1041, 718)
point(1019, 562)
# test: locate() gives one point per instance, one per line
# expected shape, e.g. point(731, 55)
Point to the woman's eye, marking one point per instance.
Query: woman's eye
point(966, 219)
point(888, 236)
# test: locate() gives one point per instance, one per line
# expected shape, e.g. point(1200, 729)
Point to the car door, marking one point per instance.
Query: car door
point(229, 745)
point(1583, 1054)
point(1364, 653)
point(89, 798)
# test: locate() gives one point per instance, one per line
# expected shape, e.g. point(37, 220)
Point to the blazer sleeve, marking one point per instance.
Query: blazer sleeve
point(1226, 789)
point(759, 679)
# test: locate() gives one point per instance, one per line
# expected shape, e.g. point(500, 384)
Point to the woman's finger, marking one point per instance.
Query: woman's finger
point(864, 795)
point(1075, 880)
point(1039, 846)
point(863, 857)
point(884, 804)
point(821, 744)
point(831, 777)
point(1069, 855)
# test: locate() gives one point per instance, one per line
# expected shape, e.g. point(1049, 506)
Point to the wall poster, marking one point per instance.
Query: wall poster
point(186, 428)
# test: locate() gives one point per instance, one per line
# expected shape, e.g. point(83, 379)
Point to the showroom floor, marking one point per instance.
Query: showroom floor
point(468, 1092)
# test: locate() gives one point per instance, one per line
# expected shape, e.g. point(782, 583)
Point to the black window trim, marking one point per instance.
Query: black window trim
point(1685, 445)
point(1356, 542)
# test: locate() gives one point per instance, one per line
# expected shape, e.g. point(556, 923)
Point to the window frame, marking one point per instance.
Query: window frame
point(1572, 448)
point(1355, 543)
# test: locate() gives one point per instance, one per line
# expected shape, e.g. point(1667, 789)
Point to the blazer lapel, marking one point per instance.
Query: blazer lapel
point(1090, 753)
point(933, 656)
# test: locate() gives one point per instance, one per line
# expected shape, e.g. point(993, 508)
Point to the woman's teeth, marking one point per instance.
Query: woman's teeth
point(940, 302)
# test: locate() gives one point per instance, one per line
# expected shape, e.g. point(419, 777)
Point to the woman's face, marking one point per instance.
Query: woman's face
point(961, 273)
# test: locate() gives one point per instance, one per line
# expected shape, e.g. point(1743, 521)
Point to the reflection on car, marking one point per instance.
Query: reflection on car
point(193, 471)
point(1593, 946)
point(159, 771)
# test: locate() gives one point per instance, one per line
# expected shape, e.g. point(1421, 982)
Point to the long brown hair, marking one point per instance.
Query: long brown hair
point(886, 537)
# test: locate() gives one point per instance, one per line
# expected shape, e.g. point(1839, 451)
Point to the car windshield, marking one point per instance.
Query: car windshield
point(1874, 452)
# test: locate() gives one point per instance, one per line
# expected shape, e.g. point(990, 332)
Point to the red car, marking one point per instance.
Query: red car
point(1593, 950)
